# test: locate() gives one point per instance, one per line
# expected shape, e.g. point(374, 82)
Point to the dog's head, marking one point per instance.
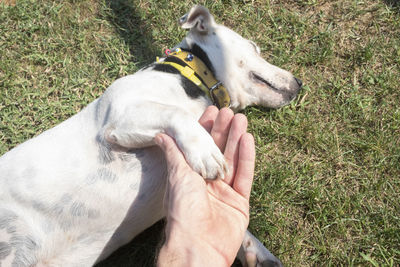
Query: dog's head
point(237, 63)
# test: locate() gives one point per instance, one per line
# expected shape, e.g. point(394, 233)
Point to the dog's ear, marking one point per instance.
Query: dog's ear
point(198, 18)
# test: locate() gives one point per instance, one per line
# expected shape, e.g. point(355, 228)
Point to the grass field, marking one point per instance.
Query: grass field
point(327, 184)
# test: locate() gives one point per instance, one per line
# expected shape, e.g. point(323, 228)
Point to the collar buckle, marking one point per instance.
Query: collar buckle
point(215, 86)
point(219, 95)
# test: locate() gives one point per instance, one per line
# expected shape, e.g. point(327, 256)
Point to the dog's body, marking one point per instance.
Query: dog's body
point(77, 192)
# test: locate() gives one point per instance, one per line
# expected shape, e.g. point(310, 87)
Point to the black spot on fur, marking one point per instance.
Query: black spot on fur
point(39, 206)
point(106, 155)
point(5, 250)
point(78, 209)
point(58, 208)
point(175, 60)
point(199, 52)
point(7, 218)
point(190, 88)
point(24, 250)
point(183, 63)
point(166, 68)
point(102, 174)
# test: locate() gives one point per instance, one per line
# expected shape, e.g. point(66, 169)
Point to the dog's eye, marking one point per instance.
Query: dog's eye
point(258, 51)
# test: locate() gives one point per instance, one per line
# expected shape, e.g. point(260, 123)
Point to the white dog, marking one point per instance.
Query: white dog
point(77, 192)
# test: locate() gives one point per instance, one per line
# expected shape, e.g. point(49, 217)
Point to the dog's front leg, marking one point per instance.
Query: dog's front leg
point(252, 253)
point(139, 124)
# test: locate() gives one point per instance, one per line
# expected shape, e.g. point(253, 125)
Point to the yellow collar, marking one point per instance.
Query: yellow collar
point(197, 72)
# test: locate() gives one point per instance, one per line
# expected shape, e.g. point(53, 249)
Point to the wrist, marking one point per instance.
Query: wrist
point(185, 250)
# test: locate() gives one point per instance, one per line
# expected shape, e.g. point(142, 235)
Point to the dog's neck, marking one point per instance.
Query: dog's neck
point(199, 52)
point(194, 65)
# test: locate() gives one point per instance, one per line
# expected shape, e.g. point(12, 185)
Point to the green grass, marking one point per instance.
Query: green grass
point(327, 184)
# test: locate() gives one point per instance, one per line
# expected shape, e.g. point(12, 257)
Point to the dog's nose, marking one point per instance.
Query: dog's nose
point(299, 82)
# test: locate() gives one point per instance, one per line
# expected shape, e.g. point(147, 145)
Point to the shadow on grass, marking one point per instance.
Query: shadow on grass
point(127, 20)
point(395, 4)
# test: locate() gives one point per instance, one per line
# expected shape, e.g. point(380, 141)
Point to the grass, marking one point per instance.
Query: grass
point(327, 184)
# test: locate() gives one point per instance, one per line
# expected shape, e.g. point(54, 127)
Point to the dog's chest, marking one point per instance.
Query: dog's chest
point(136, 172)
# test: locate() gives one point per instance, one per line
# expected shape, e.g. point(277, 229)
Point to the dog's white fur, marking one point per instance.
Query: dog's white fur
point(77, 192)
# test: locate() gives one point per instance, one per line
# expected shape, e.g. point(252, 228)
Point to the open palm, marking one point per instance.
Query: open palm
point(212, 214)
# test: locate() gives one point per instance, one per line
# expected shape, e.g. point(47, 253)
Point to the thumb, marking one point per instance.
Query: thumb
point(171, 151)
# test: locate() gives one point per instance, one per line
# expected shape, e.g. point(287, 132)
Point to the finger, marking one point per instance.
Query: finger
point(220, 130)
point(245, 167)
point(208, 118)
point(231, 153)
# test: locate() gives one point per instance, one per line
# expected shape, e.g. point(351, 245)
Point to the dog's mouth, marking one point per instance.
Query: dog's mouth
point(260, 80)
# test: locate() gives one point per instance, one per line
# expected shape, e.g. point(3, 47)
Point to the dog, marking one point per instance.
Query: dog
point(77, 192)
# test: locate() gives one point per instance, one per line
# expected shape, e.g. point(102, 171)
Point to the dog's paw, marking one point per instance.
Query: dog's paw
point(252, 253)
point(205, 157)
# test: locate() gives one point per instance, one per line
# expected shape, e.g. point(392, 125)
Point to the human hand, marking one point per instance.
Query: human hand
point(206, 220)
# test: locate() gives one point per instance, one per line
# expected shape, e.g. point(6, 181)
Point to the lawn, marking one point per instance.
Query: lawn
point(327, 184)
